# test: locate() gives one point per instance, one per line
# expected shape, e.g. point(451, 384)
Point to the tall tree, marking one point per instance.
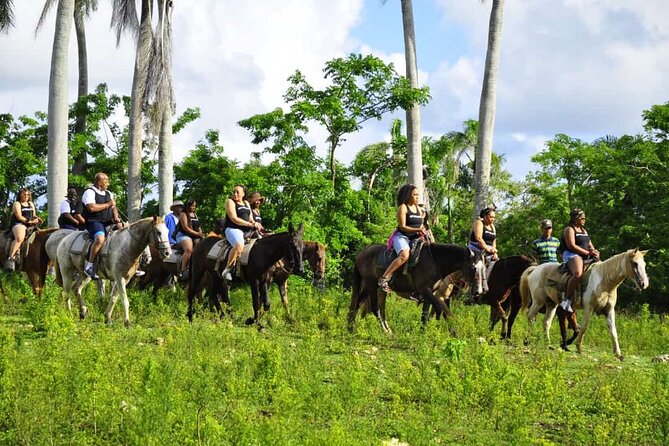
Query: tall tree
point(414, 149)
point(58, 110)
point(6, 15)
point(487, 107)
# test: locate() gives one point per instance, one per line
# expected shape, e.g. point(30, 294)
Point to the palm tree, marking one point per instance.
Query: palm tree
point(487, 108)
point(82, 9)
point(58, 110)
point(6, 15)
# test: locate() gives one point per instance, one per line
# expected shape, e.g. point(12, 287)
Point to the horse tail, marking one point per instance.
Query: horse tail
point(525, 287)
point(43, 263)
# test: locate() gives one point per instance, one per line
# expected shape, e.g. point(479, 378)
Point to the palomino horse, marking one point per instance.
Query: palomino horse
point(31, 261)
point(601, 283)
point(117, 261)
point(264, 253)
point(436, 261)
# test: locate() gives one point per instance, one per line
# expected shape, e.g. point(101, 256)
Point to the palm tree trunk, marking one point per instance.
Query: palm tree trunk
point(135, 130)
point(58, 111)
point(487, 108)
point(80, 162)
point(414, 150)
point(165, 163)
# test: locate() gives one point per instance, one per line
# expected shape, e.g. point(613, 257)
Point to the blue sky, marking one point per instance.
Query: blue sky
point(587, 68)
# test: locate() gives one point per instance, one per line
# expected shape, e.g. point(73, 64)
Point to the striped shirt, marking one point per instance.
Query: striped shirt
point(546, 249)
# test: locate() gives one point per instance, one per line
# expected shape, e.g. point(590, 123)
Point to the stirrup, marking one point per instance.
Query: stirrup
point(383, 284)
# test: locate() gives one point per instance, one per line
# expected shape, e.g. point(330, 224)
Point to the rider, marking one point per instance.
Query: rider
point(172, 220)
point(578, 247)
point(100, 211)
point(238, 219)
point(219, 228)
point(483, 237)
point(24, 216)
point(189, 231)
point(410, 225)
point(255, 200)
point(71, 210)
point(546, 246)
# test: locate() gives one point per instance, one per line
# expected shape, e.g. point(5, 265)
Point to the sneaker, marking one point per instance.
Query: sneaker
point(139, 273)
point(225, 274)
point(91, 273)
point(383, 284)
point(566, 305)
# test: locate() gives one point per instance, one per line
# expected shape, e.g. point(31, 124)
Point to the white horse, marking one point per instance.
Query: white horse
point(116, 262)
point(600, 294)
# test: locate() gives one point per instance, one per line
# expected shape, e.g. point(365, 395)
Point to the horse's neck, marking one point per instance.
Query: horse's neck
point(273, 248)
point(612, 271)
point(139, 235)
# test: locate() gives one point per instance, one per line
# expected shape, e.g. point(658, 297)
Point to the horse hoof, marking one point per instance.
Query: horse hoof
point(108, 321)
point(83, 313)
point(266, 307)
point(128, 324)
point(249, 321)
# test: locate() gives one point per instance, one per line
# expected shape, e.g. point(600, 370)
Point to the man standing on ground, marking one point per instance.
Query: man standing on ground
point(100, 211)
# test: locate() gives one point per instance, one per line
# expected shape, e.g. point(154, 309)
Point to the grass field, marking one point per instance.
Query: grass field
point(312, 382)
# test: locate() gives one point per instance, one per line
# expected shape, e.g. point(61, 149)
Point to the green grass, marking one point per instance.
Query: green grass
point(312, 382)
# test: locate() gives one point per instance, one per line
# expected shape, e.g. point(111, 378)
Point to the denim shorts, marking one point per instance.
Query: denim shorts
point(181, 237)
point(400, 242)
point(234, 236)
point(567, 255)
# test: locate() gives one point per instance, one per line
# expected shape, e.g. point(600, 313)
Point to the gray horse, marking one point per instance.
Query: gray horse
point(117, 262)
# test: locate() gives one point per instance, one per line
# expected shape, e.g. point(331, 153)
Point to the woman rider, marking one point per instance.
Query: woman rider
point(255, 200)
point(188, 233)
point(410, 218)
point(24, 216)
point(578, 247)
point(238, 219)
point(483, 237)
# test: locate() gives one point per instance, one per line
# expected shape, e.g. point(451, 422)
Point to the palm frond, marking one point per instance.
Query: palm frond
point(6, 15)
point(124, 18)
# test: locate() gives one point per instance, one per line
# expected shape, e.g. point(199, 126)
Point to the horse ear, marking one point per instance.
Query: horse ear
point(643, 253)
point(291, 228)
point(300, 229)
point(155, 219)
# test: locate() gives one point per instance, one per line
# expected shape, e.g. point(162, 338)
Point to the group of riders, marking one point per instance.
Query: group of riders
point(575, 245)
point(97, 212)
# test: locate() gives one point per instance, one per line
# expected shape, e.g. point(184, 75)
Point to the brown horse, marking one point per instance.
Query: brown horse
point(32, 261)
point(436, 261)
point(263, 255)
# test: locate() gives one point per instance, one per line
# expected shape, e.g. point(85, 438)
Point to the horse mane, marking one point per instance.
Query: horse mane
point(443, 253)
point(616, 264)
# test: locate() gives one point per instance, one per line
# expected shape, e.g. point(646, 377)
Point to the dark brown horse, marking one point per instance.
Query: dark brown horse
point(264, 253)
point(314, 254)
point(436, 261)
point(32, 260)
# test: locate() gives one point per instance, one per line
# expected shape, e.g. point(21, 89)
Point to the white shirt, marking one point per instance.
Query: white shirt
point(89, 195)
point(65, 207)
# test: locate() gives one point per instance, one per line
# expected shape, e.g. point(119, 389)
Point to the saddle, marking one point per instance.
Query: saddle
point(81, 245)
point(386, 257)
point(219, 253)
point(560, 276)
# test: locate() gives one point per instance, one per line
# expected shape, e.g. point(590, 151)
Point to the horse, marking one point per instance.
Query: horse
point(435, 262)
point(314, 254)
point(264, 253)
point(31, 261)
point(600, 294)
point(117, 261)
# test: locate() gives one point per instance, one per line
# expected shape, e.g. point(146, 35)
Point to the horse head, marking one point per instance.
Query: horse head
point(315, 254)
point(477, 274)
point(639, 267)
point(160, 235)
point(296, 248)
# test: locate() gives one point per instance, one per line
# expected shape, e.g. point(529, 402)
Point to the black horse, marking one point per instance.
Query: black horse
point(264, 253)
point(436, 261)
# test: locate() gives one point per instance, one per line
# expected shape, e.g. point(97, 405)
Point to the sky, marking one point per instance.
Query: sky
point(586, 68)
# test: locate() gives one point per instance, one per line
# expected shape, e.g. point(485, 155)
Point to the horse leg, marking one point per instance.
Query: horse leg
point(255, 298)
point(113, 295)
point(587, 312)
point(78, 289)
point(264, 294)
point(515, 308)
point(502, 314)
point(126, 303)
point(382, 311)
point(611, 322)
point(562, 319)
point(548, 319)
point(283, 292)
point(572, 323)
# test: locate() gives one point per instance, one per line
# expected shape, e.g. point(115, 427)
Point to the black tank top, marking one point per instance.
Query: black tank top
point(257, 217)
point(412, 220)
point(243, 212)
point(26, 212)
point(582, 239)
point(489, 236)
point(105, 215)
